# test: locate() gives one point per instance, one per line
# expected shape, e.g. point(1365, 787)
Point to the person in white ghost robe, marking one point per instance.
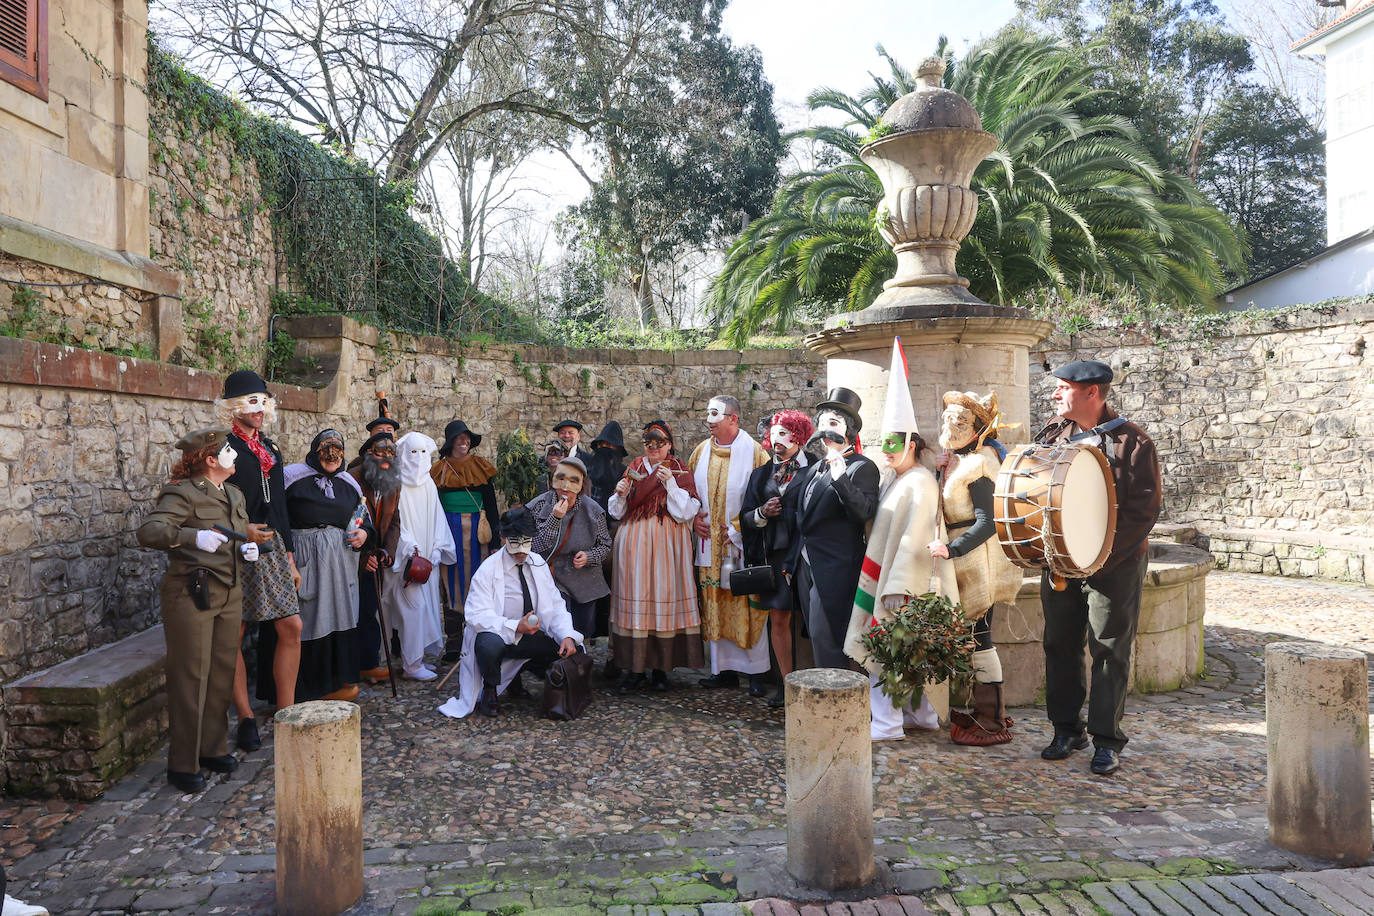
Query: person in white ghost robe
point(413, 609)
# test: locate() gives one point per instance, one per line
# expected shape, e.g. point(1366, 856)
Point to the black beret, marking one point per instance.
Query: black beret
point(1084, 372)
point(573, 423)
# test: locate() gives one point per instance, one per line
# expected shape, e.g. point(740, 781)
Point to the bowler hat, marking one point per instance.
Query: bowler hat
point(453, 431)
point(611, 435)
point(244, 381)
point(846, 402)
point(1085, 372)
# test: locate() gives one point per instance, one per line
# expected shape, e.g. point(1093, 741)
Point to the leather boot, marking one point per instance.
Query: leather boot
point(987, 725)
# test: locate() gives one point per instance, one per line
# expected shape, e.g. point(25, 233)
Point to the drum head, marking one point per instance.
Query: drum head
point(1086, 512)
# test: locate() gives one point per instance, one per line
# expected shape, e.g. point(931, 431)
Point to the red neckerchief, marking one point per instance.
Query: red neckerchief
point(254, 441)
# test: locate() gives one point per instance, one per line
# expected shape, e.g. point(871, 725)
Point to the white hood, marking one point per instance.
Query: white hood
point(414, 457)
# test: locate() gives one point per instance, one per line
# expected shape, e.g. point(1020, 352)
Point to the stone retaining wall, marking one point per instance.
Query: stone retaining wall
point(1264, 429)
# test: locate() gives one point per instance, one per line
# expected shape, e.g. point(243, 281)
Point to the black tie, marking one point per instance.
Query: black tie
point(524, 588)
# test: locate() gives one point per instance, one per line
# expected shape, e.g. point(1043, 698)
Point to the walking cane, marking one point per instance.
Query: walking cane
point(386, 634)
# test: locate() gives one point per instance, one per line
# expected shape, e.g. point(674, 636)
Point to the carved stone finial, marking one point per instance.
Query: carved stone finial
point(931, 71)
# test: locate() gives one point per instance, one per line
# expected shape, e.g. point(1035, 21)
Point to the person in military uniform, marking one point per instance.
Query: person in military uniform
point(1104, 608)
point(202, 601)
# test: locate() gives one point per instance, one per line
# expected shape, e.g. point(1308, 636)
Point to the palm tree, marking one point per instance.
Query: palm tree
point(1066, 200)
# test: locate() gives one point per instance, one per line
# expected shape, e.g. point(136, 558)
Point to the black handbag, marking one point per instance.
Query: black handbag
point(568, 687)
point(753, 580)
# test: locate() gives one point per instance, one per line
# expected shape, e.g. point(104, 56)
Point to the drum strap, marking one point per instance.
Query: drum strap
point(1101, 430)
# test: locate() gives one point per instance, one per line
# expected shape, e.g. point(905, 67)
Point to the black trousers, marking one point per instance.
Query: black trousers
point(491, 650)
point(369, 630)
point(1100, 612)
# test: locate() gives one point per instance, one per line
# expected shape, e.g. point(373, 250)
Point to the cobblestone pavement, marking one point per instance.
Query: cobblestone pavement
point(674, 802)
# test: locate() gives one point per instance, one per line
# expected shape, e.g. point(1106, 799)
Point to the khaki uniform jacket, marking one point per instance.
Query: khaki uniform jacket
point(1139, 489)
point(183, 508)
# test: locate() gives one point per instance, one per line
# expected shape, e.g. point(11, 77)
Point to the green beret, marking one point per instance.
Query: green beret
point(1084, 372)
point(200, 438)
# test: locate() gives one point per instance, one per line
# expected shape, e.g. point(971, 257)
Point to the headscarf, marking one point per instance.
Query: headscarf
point(648, 497)
point(313, 467)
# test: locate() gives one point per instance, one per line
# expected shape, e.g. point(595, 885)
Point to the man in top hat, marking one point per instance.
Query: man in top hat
point(269, 586)
point(569, 432)
point(897, 565)
point(839, 496)
point(721, 466)
point(382, 424)
point(1104, 608)
point(515, 614)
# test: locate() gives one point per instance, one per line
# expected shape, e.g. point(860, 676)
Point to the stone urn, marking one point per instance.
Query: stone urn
point(953, 340)
point(926, 163)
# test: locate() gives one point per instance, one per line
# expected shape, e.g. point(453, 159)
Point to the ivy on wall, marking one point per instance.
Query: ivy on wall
point(347, 240)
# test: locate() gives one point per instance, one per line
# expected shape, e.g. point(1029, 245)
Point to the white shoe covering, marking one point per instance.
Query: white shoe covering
point(887, 719)
point(987, 666)
point(925, 717)
point(12, 907)
point(421, 672)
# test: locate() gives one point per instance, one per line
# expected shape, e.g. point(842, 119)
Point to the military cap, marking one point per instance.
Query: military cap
point(1084, 372)
point(202, 438)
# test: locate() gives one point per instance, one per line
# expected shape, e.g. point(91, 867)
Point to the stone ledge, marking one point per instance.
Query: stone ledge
point(122, 268)
point(77, 727)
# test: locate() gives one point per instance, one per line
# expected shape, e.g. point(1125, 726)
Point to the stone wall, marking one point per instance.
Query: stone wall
point(1264, 427)
point(209, 225)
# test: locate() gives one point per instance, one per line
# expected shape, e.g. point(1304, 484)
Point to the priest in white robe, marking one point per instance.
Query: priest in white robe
point(412, 608)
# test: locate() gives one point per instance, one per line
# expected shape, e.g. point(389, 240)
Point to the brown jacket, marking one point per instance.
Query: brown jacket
point(1139, 490)
point(386, 519)
point(183, 508)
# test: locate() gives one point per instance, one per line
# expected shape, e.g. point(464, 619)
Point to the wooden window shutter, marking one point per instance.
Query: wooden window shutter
point(24, 45)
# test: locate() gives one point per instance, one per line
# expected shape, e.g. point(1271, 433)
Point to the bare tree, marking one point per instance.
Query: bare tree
point(376, 77)
point(1271, 26)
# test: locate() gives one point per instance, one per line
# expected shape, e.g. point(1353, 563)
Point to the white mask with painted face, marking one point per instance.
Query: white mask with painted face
point(253, 403)
point(832, 422)
point(784, 443)
point(715, 412)
point(226, 457)
point(519, 545)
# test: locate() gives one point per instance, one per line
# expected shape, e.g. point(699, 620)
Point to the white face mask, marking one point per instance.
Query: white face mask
point(829, 421)
point(784, 443)
point(518, 545)
point(253, 403)
point(715, 412)
point(226, 457)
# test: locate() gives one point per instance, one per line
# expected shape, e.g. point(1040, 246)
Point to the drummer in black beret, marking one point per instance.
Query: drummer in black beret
point(1103, 608)
point(1085, 372)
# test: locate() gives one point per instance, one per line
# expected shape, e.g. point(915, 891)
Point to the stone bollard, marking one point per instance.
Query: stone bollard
point(319, 808)
point(829, 779)
point(1317, 711)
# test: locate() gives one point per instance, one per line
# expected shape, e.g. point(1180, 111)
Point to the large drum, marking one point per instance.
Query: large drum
point(1055, 509)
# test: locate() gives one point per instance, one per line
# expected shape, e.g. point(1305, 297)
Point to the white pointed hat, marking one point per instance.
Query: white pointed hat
point(898, 414)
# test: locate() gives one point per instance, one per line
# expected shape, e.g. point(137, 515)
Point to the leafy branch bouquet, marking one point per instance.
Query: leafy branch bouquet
point(926, 640)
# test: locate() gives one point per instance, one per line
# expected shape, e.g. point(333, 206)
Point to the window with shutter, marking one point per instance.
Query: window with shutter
point(24, 45)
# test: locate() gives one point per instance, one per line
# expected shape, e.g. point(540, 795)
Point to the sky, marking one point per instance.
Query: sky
point(807, 44)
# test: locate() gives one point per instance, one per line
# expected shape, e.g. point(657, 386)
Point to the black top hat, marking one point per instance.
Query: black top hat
point(847, 403)
point(244, 381)
point(573, 423)
point(518, 523)
point(611, 435)
point(453, 431)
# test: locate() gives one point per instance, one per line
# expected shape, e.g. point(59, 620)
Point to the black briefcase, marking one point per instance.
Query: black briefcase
point(753, 580)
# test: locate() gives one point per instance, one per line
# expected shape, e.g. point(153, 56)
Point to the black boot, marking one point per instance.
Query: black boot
point(487, 704)
point(632, 681)
point(659, 680)
point(757, 687)
point(248, 737)
point(724, 679)
point(186, 782)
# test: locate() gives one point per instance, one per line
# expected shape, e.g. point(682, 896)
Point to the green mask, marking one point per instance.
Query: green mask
point(894, 443)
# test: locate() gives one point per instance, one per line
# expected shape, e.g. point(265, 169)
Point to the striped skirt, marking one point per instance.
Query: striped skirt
point(655, 622)
point(469, 551)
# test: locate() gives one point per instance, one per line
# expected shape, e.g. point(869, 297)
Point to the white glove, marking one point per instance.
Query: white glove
point(835, 460)
point(892, 602)
point(209, 540)
point(249, 551)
